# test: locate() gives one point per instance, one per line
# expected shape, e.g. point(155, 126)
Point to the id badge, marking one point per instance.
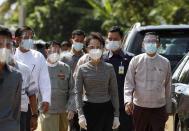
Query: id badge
point(121, 70)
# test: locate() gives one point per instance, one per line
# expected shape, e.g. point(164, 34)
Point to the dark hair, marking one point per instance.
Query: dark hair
point(95, 35)
point(5, 32)
point(152, 33)
point(48, 44)
point(116, 29)
point(20, 30)
point(78, 32)
point(66, 43)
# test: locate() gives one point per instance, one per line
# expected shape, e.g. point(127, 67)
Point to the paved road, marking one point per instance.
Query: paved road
point(169, 125)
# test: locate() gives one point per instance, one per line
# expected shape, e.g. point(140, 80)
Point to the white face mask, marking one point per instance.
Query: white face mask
point(4, 54)
point(95, 54)
point(113, 45)
point(63, 53)
point(54, 57)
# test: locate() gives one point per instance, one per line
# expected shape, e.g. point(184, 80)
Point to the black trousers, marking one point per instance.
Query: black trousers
point(149, 119)
point(23, 121)
point(126, 121)
point(28, 118)
point(99, 116)
point(74, 125)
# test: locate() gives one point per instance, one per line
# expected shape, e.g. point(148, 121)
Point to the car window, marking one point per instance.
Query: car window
point(184, 75)
point(179, 68)
point(135, 45)
point(172, 43)
point(174, 46)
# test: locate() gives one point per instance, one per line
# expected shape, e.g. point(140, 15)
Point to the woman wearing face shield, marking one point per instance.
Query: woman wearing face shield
point(99, 108)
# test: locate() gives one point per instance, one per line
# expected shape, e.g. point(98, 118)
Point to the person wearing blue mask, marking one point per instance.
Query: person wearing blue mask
point(37, 65)
point(147, 88)
point(28, 93)
point(120, 60)
point(76, 52)
point(71, 58)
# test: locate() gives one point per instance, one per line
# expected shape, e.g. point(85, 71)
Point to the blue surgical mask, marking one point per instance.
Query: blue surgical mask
point(113, 45)
point(27, 44)
point(77, 46)
point(150, 48)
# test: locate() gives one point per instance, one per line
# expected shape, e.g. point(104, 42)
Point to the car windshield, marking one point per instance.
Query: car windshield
point(173, 43)
point(174, 46)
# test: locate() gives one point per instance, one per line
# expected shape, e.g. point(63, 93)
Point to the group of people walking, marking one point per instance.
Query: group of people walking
point(94, 86)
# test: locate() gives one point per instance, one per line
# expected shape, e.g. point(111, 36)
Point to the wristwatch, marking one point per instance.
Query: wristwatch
point(35, 115)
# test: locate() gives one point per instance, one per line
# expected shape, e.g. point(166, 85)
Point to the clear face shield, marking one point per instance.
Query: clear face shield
point(27, 35)
point(94, 47)
point(150, 44)
point(5, 43)
point(95, 52)
point(150, 39)
point(27, 40)
point(5, 49)
point(54, 49)
point(53, 54)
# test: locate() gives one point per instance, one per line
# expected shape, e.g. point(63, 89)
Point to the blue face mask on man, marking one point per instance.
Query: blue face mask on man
point(113, 45)
point(150, 48)
point(27, 44)
point(77, 46)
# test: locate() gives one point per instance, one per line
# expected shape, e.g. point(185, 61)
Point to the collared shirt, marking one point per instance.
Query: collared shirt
point(118, 60)
point(84, 59)
point(100, 85)
point(10, 98)
point(62, 97)
point(51, 65)
point(71, 59)
point(148, 82)
point(28, 85)
point(37, 65)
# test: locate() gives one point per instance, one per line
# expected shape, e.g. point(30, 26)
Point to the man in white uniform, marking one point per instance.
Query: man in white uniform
point(28, 92)
point(36, 63)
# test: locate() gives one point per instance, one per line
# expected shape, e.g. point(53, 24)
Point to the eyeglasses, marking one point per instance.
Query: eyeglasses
point(94, 47)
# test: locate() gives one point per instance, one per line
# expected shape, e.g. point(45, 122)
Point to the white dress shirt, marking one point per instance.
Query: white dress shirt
point(37, 64)
point(148, 82)
point(28, 85)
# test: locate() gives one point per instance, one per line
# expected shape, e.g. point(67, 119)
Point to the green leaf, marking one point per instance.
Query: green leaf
point(98, 8)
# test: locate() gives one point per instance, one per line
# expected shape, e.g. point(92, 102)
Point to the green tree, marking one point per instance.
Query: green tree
point(56, 19)
point(7, 15)
point(148, 12)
